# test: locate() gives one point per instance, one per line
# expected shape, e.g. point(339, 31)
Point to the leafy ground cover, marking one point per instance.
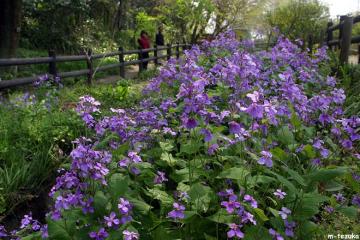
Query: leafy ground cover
point(37, 129)
point(226, 144)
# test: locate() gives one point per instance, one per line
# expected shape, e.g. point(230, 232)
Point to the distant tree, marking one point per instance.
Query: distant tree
point(298, 19)
point(245, 14)
point(10, 22)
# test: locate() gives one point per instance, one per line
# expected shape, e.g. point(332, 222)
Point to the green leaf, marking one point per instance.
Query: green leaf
point(166, 146)
point(168, 157)
point(285, 136)
point(160, 195)
point(296, 176)
point(333, 186)
point(323, 175)
point(350, 212)
point(140, 205)
point(234, 173)
point(190, 147)
point(307, 229)
point(200, 197)
point(309, 151)
point(284, 181)
point(261, 214)
point(279, 154)
point(221, 217)
point(274, 212)
point(309, 205)
point(257, 232)
point(118, 185)
point(57, 231)
point(100, 203)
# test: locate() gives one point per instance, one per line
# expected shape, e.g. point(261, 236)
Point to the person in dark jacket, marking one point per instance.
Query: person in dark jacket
point(159, 40)
point(160, 37)
point(144, 43)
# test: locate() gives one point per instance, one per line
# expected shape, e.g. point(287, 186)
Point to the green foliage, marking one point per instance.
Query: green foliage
point(298, 19)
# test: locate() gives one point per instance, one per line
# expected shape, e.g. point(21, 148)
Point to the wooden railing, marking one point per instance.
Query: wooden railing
point(53, 59)
point(345, 39)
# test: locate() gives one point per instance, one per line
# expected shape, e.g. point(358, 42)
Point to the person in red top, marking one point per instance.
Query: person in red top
point(144, 43)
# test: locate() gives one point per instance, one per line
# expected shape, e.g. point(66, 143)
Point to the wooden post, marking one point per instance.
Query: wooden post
point(330, 35)
point(345, 41)
point(359, 54)
point(168, 51)
point(177, 51)
point(121, 61)
point(52, 64)
point(140, 57)
point(89, 64)
point(156, 55)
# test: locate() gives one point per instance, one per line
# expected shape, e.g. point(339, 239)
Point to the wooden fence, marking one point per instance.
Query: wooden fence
point(53, 59)
point(345, 39)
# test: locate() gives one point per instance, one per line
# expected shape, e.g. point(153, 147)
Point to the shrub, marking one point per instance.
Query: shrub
point(227, 143)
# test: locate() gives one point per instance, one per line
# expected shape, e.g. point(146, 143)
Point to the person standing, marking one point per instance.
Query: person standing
point(159, 40)
point(160, 37)
point(144, 43)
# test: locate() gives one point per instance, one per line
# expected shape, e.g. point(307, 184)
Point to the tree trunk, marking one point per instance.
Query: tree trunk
point(10, 19)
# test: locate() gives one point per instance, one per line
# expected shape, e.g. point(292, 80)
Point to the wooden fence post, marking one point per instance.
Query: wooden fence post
point(330, 35)
point(168, 50)
point(177, 51)
point(345, 41)
point(156, 55)
point(121, 61)
point(89, 63)
point(52, 64)
point(140, 57)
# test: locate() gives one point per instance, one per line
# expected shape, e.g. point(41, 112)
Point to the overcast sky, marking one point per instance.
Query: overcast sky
point(342, 7)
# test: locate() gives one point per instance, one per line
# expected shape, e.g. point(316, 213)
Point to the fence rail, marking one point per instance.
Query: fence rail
point(53, 59)
point(345, 38)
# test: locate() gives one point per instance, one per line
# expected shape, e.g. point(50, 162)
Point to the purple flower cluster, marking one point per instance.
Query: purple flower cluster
point(233, 206)
point(177, 212)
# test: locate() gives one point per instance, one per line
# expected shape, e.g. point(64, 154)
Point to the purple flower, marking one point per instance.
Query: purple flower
point(235, 231)
point(356, 200)
point(134, 157)
point(3, 232)
point(289, 228)
point(130, 235)
point(191, 123)
point(111, 220)
point(280, 194)
point(100, 235)
point(160, 178)
point(212, 148)
point(284, 212)
point(347, 144)
point(339, 198)
point(35, 226)
point(44, 231)
point(27, 219)
point(234, 127)
point(266, 159)
point(232, 204)
point(207, 135)
point(275, 235)
point(178, 212)
point(251, 200)
point(316, 162)
point(329, 209)
point(124, 206)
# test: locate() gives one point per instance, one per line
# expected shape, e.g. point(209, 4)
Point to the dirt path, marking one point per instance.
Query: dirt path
point(131, 72)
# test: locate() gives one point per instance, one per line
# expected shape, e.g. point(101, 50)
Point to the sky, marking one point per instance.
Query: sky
point(342, 7)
